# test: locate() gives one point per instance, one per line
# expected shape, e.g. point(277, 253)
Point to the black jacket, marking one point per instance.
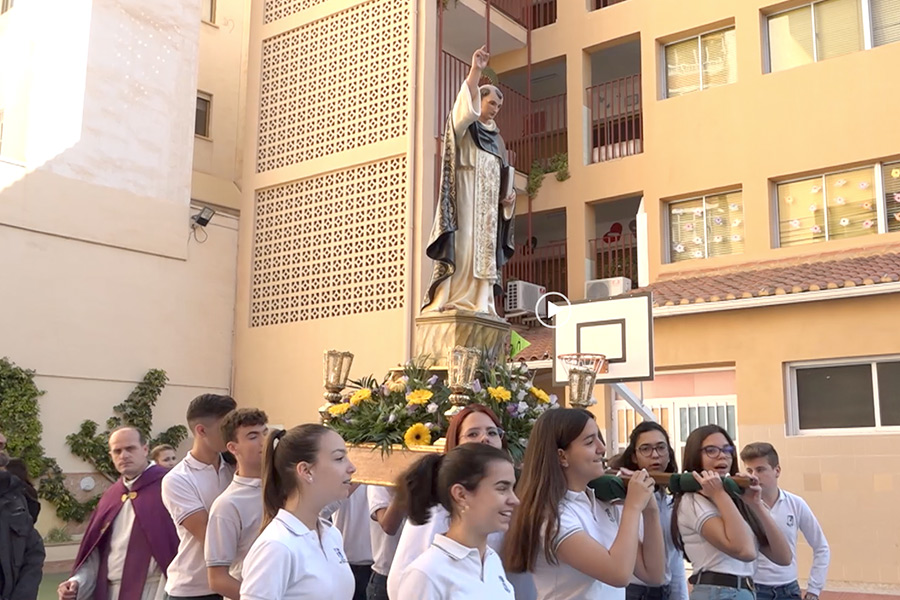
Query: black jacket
point(21, 546)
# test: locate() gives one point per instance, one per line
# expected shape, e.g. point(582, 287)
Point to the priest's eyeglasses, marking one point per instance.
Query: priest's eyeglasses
point(647, 450)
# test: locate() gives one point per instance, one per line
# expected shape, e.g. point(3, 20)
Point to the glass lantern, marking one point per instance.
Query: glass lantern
point(463, 363)
point(337, 370)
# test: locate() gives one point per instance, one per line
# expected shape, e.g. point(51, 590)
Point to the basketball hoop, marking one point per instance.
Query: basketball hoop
point(582, 369)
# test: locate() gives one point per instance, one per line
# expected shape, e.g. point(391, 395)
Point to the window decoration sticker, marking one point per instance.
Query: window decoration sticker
point(840, 201)
point(844, 222)
point(815, 229)
point(895, 173)
point(813, 208)
point(719, 221)
point(689, 227)
point(863, 185)
point(679, 248)
point(698, 240)
point(718, 238)
point(815, 189)
point(734, 206)
point(868, 223)
point(736, 223)
point(789, 199)
point(795, 223)
point(840, 183)
point(698, 254)
point(896, 196)
point(867, 205)
point(736, 238)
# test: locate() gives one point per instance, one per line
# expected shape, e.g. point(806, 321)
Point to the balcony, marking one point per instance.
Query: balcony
point(614, 103)
point(598, 4)
point(614, 253)
point(543, 13)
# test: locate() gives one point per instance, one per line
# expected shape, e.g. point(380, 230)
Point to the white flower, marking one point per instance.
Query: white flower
point(863, 185)
point(717, 239)
point(735, 238)
point(789, 199)
point(392, 418)
point(813, 207)
point(521, 396)
point(698, 254)
point(815, 189)
point(679, 248)
point(698, 212)
point(840, 201)
point(523, 406)
point(677, 211)
point(429, 425)
point(734, 207)
point(698, 240)
point(523, 442)
point(795, 224)
point(845, 221)
point(553, 398)
point(736, 222)
point(840, 183)
point(432, 408)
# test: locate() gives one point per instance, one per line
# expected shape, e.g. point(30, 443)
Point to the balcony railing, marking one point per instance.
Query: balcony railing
point(547, 126)
point(543, 13)
point(598, 4)
point(544, 265)
point(514, 9)
point(615, 256)
point(616, 119)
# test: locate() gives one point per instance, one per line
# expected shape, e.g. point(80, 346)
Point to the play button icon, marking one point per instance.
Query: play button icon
point(558, 308)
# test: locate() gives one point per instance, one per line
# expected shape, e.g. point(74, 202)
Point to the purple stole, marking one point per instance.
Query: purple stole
point(153, 534)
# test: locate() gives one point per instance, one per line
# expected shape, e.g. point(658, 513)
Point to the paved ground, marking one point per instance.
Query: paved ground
point(49, 584)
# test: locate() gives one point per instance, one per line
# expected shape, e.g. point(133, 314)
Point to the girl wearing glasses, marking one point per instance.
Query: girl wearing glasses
point(576, 546)
point(473, 424)
point(720, 534)
point(649, 448)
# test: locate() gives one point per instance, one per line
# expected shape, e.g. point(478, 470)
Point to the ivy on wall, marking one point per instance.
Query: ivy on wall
point(20, 422)
point(558, 163)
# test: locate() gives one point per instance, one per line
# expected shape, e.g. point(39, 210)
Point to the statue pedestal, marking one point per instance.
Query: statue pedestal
point(437, 334)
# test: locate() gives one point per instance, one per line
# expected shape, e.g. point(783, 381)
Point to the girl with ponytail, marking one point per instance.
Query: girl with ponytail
point(719, 533)
point(474, 484)
point(299, 556)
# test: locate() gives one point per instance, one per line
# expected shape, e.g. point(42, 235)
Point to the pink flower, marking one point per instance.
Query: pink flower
point(868, 205)
point(896, 196)
point(698, 212)
point(815, 229)
point(867, 224)
point(795, 224)
point(815, 189)
point(863, 185)
point(813, 207)
point(840, 201)
point(689, 227)
point(840, 183)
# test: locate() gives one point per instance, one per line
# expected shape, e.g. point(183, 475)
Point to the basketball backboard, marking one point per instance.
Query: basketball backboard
point(619, 327)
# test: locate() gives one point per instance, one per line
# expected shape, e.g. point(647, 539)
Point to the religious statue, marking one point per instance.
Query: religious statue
point(472, 235)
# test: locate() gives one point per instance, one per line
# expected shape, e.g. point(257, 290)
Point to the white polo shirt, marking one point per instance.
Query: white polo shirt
point(384, 546)
point(416, 539)
point(450, 571)
point(675, 576)
point(693, 512)
point(578, 511)
point(234, 521)
point(791, 513)
point(189, 487)
point(352, 520)
point(288, 561)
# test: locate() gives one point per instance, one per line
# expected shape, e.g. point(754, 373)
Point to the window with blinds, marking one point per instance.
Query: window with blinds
point(706, 227)
point(885, 21)
point(891, 186)
point(828, 29)
point(828, 207)
point(701, 62)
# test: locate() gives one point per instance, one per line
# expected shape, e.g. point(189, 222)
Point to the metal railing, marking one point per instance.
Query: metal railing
point(543, 13)
point(547, 126)
point(615, 255)
point(544, 265)
point(598, 4)
point(616, 118)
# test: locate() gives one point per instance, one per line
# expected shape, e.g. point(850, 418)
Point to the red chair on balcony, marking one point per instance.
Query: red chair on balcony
point(614, 234)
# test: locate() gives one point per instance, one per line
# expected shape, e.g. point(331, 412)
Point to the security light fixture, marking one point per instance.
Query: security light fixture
point(202, 218)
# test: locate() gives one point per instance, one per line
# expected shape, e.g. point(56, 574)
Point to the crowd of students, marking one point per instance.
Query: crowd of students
point(284, 520)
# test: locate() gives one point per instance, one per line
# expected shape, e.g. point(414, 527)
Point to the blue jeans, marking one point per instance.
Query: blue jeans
point(642, 592)
point(718, 592)
point(788, 591)
point(377, 588)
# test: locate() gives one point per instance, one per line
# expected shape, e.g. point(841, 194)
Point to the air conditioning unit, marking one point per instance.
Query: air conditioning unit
point(522, 299)
point(601, 289)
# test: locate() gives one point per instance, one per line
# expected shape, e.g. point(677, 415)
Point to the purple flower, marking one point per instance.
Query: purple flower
point(476, 387)
point(410, 409)
point(432, 380)
point(511, 409)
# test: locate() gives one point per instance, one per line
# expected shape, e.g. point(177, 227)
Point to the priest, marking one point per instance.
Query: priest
point(472, 235)
point(130, 539)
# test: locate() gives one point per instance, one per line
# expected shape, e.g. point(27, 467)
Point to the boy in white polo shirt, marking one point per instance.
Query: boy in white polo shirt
point(188, 491)
point(791, 513)
point(236, 515)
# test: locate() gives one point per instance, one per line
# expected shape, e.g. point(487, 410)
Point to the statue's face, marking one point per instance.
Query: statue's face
point(490, 106)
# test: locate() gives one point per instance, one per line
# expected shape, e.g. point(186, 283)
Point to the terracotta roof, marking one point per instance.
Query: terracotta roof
point(541, 339)
point(773, 278)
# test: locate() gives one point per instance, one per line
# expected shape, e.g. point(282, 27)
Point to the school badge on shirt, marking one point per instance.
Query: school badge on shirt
point(504, 583)
point(340, 554)
point(790, 520)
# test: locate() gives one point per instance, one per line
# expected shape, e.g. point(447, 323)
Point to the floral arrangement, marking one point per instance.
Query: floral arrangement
point(408, 406)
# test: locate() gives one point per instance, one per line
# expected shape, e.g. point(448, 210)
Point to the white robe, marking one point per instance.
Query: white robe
point(471, 287)
point(86, 575)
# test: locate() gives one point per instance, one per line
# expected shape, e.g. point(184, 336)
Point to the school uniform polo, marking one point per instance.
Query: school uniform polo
point(384, 546)
point(578, 511)
point(791, 514)
point(416, 539)
point(190, 487)
point(693, 512)
point(450, 571)
point(288, 561)
point(234, 521)
point(352, 520)
point(675, 576)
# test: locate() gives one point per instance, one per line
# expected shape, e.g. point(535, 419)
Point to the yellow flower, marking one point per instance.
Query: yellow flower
point(419, 396)
point(895, 173)
point(397, 385)
point(540, 394)
point(360, 396)
point(417, 435)
point(336, 410)
point(500, 393)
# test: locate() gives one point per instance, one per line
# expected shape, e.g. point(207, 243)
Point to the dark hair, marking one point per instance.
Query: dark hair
point(206, 406)
point(4, 460)
point(157, 450)
point(692, 461)
point(542, 486)
point(17, 467)
point(142, 437)
point(428, 482)
point(454, 429)
point(629, 460)
point(615, 462)
point(241, 417)
point(284, 450)
point(760, 450)
point(487, 89)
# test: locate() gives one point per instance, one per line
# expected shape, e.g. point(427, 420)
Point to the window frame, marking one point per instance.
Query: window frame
point(867, 30)
point(6, 6)
point(665, 62)
point(793, 410)
point(880, 207)
point(209, 99)
point(211, 17)
point(667, 223)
